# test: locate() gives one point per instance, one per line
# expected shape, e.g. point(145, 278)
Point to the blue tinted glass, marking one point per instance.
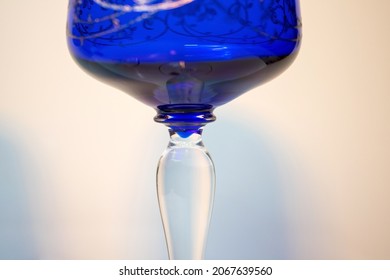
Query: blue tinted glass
point(184, 57)
point(190, 30)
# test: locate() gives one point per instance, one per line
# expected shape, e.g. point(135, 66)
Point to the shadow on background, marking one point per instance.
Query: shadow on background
point(248, 220)
point(16, 234)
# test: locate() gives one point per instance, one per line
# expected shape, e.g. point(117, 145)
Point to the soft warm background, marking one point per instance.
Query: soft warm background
point(303, 163)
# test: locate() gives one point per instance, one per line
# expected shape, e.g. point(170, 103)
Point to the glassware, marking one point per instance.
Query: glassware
point(184, 58)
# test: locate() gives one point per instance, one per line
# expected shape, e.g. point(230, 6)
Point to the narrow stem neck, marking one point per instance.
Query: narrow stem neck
point(185, 119)
point(185, 137)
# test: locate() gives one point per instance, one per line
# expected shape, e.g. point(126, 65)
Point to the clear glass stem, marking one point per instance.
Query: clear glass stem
point(185, 188)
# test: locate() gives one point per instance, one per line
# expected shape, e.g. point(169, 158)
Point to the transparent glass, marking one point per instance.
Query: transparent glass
point(185, 188)
point(184, 58)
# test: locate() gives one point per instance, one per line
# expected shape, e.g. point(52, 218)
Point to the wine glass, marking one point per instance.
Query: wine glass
point(184, 58)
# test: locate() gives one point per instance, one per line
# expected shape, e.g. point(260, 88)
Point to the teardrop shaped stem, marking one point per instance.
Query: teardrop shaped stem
point(185, 188)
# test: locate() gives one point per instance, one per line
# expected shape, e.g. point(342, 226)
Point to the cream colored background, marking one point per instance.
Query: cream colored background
point(303, 162)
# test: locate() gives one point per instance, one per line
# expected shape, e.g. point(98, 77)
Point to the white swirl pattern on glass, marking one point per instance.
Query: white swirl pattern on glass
point(144, 5)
